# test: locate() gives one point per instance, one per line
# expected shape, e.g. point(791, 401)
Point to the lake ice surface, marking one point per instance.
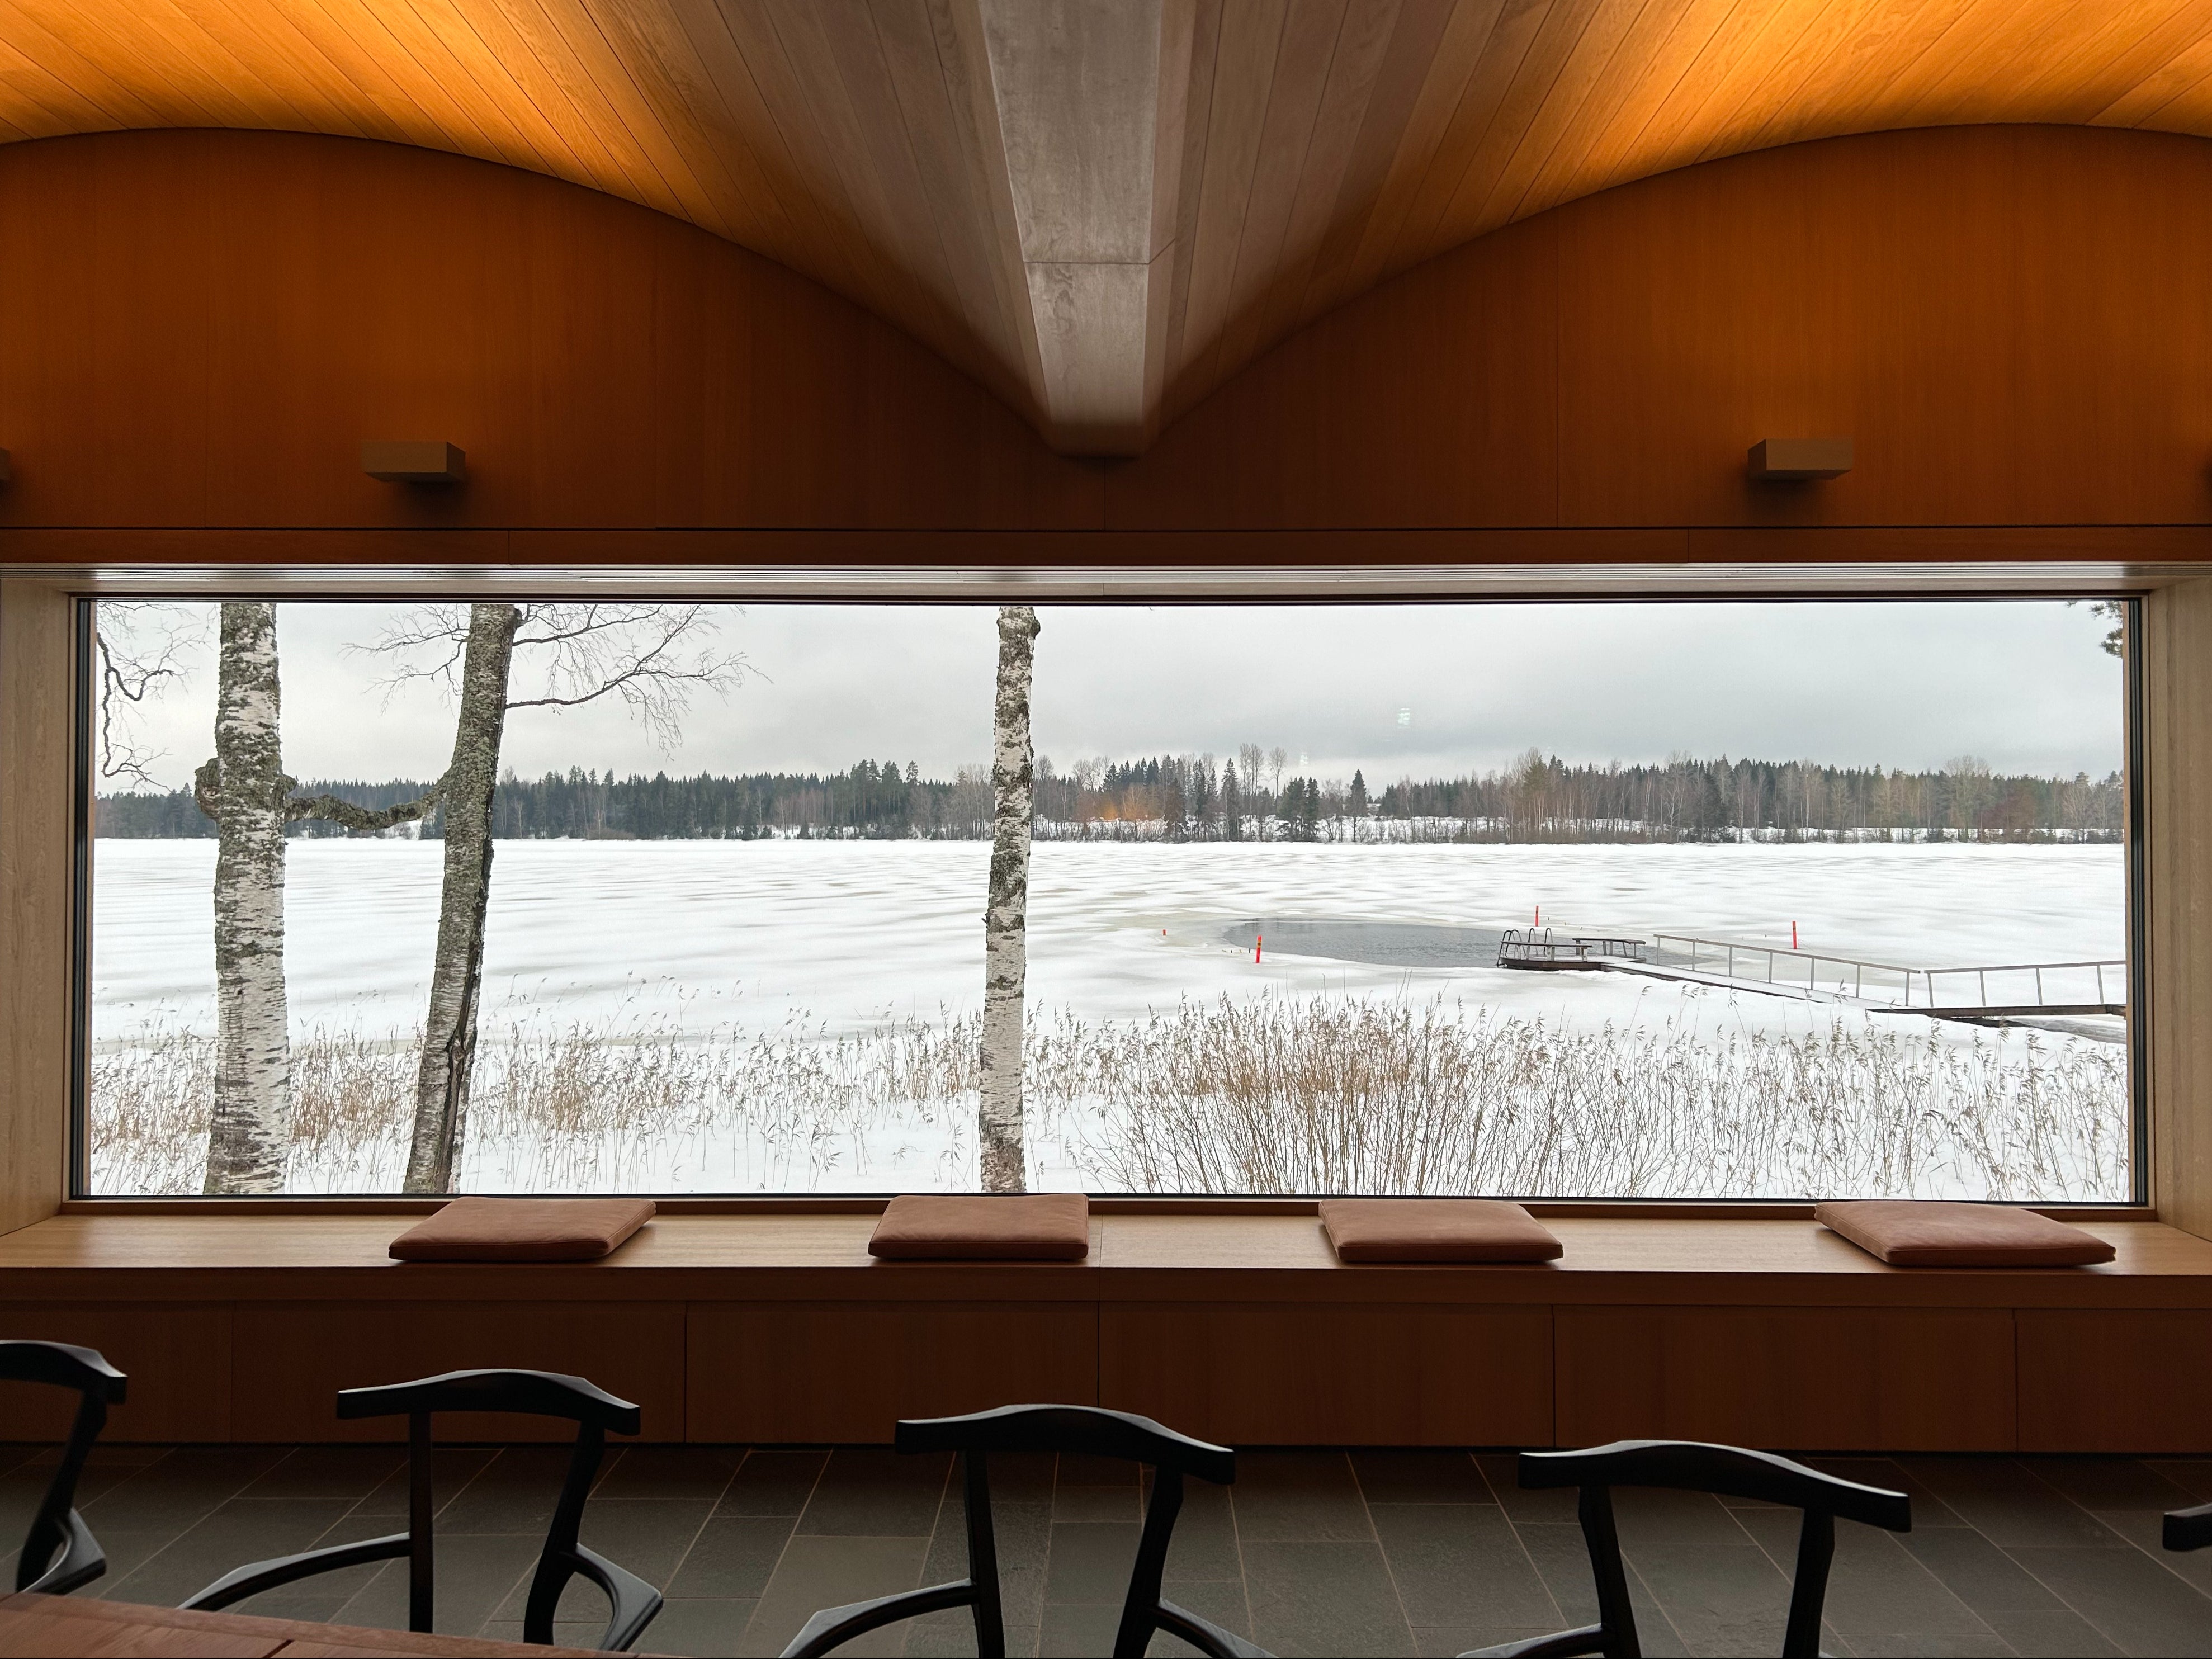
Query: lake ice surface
point(748, 935)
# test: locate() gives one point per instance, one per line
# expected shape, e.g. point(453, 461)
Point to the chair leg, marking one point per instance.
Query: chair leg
point(1616, 1616)
point(1808, 1589)
point(422, 1562)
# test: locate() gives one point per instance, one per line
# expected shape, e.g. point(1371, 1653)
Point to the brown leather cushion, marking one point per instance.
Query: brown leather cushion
point(1925, 1233)
point(524, 1230)
point(1436, 1229)
point(1008, 1227)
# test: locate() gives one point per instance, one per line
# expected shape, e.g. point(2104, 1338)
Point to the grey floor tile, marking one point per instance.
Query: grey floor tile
point(2060, 1634)
point(1090, 1563)
point(1021, 1538)
point(2006, 1502)
point(2131, 1600)
point(1077, 1632)
point(818, 1572)
point(707, 1626)
point(1879, 1593)
point(1896, 1474)
point(1220, 1601)
point(330, 1472)
point(581, 1634)
point(1977, 1572)
point(1021, 1477)
point(1077, 1470)
point(772, 1482)
point(1298, 1498)
point(515, 1492)
point(1323, 1598)
point(1539, 1504)
point(179, 1489)
point(1449, 1641)
point(1674, 1519)
point(867, 1492)
point(245, 1529)
point(1722, 1599)
point(1095, 1503)
point(451, 1469)
point(2111, 1483)
point(732, 1559)
point(952, 1635)
point(1420, 1476)
point(1927, 1644)
point(1461, 1563)
point(651, 1536)
point(2145, 1530)
point(2192, 1474)
point(476, 1573)
point(695, 1473)
point(1205, 1542)
point(1562, 1558)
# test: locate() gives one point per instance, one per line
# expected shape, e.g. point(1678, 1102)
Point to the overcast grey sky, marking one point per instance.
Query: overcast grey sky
point(1395, 690)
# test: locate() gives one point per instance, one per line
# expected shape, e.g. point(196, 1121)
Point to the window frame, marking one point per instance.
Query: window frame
point(1134, 587)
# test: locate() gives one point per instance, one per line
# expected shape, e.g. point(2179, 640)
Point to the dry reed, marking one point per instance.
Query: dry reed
point(1261, 1096)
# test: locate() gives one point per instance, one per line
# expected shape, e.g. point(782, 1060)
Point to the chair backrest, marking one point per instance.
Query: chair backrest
point(1724, 1471)
point(1087, 1431)
point(529, 1394)
point(59, 1553)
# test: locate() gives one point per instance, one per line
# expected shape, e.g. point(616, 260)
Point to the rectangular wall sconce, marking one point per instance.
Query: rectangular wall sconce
point(420, 461)
point(1800, 458)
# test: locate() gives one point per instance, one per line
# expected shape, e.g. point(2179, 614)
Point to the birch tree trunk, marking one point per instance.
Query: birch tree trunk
point(449, 1033)
point(251, 1131)
point(1006, 916)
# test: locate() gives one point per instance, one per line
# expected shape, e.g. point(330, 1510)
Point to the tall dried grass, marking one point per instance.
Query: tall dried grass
point(1263, 1095)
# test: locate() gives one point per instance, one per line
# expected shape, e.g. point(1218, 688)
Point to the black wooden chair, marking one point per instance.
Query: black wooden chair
point(1084, 1430)
point(1724, 1471)
point(2188, 1530)
point(632, 1602)
point(60, 1552)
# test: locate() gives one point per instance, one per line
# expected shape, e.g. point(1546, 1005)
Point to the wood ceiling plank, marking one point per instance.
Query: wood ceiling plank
point(572, 62)
point(1603, 146)
point(2067, 63)
point(1197, 131)
point(1747, 91)
point(42, 101)
point(2129, 44)
point(46, 39)
point(835, 54)
point(461, 94)
point(1563, 69)
point(1306, 59)
point(1418, 45)
point(331, 100)
point(926, 87)
point(1852, 44)
point(227, 93)
point(1244, 72)
point(1362, 50)
point(1518, 28)
point(2172, 84)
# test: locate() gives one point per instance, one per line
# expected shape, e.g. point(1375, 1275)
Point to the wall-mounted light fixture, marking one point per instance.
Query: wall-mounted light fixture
point(1800, 458)
point(417, 461)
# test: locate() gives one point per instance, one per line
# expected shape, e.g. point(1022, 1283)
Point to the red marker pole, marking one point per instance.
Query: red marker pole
point(1258, 939)
point(1793, 935)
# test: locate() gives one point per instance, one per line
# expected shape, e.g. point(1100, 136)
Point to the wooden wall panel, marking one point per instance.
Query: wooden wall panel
point(1814, 1379)
point(2175, 649)
point(176, 1355)
point(848, 1372)
point(201, 327)
point(2092, 1380)
point(1404, 1375)
point(37, 648)
point(292, 1358)
point(2014, 323)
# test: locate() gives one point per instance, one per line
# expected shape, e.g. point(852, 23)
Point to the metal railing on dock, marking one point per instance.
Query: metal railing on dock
point(2103, 983)
point(1527, 947)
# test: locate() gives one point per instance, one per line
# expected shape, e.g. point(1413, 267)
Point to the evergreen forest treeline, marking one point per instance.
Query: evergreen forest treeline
point(1193, 798)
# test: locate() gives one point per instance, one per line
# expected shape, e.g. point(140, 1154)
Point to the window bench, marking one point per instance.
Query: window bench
point(779, 1327)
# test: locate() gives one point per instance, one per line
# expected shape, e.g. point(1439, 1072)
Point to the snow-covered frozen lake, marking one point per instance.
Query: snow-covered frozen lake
point(851, 931)
point(722, 941)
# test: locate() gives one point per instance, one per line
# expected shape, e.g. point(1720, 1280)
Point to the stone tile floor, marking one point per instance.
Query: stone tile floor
point(1316, 1552)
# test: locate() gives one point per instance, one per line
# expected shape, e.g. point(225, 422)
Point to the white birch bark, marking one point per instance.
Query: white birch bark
point(249, 1137)
point(449, 1035)
point(1006, 936)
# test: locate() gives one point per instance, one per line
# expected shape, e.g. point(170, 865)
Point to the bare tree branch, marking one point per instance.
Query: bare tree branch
point(207, 794)
point(141, 647)
point(653, 657)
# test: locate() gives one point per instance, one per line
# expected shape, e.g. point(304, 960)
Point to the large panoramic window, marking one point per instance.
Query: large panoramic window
point(1672, 899)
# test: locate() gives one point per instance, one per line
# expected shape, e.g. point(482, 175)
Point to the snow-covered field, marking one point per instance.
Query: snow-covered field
point(802, 946)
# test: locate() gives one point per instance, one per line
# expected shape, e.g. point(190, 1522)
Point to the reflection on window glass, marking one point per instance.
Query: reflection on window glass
point(1669, 900)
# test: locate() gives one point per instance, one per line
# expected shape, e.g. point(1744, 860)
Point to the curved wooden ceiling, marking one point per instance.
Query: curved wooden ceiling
point(1100, 208)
